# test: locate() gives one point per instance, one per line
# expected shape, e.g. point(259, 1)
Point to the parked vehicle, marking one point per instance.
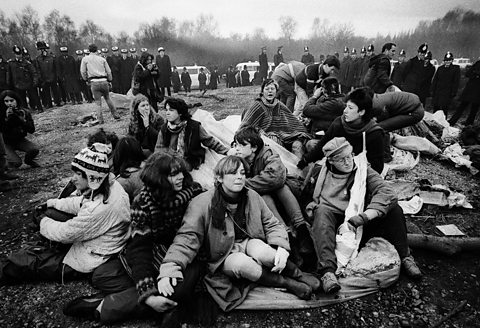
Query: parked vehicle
point(462, 62)
point(193, 71)
point(252, 67)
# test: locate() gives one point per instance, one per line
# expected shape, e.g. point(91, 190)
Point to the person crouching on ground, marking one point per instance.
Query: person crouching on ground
point(183, 136)
point(245, 242)
point(382, 217)
point(267, 176)
point(98, 230)
point(18, 123)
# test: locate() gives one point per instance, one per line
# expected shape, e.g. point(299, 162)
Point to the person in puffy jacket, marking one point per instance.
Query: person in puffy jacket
point(378, 74)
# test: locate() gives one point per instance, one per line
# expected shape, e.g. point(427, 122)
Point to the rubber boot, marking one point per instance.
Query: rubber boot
point(292, 271)
point(273, 279)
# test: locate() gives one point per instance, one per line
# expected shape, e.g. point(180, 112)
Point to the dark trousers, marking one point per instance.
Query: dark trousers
point(34, 99)
point(30, 148)
point(391, 227)
point(461, 108)
point(122, 301)
point(49, 89)
point(286, 93)
point(168, 91)
point(3, 155)
point(401, 121)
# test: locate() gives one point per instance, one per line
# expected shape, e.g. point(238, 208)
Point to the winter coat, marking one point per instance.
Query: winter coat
point(357, 77)
point(186, 79)
point(131, 182)
point(245, 76)
point(202, 81)
point(17, 125)
point(46, 68)
point(284, 71)
point(262, 59)
point(445, 85)
point(307, 59)
point(68, 73)
point(267, 172)
point(310, 77)
point(374, 137)
point(198, 231)
point(164, 70)
point(425, 86)
point(397, 74)
point(126, 74)
point(378, 74)
point(231, 82)
point(4, 75)
point(23, 75)
point(176, 80)
point(323, 111)
point(277, 59)
point(214, 80)
point(195, 137)
point(97, 232)
point(145, 79)
point(471, 92)
point(415, 77)
point(391, 104)
point(345, 68)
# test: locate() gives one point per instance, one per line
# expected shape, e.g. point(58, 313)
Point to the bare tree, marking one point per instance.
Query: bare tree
point(59, 29)
point(28, 25)
point(186, 29)
point(206, 26)
point(123, 38)
point(90, 31)
point(288, 27)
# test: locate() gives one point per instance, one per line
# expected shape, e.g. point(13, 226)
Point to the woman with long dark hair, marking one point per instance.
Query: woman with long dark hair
point(157, 214)
point(145, 74)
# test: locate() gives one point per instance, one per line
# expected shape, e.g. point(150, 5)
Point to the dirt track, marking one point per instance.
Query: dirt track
point(447, 281)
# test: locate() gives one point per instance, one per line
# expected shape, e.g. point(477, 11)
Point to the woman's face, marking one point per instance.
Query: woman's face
point(172, 115)
point(79, 181)
point(352, 113)
point(269, 92)
point(144, 107)
point(233, 183)
point(176, 180)
point(10, 102)
point(149, 60)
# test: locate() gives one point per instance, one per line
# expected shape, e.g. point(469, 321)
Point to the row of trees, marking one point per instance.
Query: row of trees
point(198, 40)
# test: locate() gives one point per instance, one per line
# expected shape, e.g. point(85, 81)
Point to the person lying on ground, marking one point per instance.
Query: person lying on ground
point(396, 110)
point(184, 136)
point(144, 123)
point(382, 216)
point(18, 122)
point(275, 120)
point(128, 160)
point(129, 282)
point(323, 108)
point(245, 243)
point(357, 118)
point(98, 230)
point(267, 175)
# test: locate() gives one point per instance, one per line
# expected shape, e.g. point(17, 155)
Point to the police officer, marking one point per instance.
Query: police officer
point(445, 84)
point(344, 71)
point(414, 72)
point(278, 57)
point(45, 66)
point(22, 75)
point(4, 75)
point(104, 53)
point(114, 63)
point(69, 75)
point(262, 59)
point(307, 57)
point(33, 93)
point(85, 90)
point(125, 72)
point(164, 71)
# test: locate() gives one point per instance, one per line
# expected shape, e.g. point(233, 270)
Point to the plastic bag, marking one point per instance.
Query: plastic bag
point(414, 143)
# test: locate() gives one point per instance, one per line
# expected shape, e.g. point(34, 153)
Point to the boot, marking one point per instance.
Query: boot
point(273, 279)
point(172, 318)
point(292, 271)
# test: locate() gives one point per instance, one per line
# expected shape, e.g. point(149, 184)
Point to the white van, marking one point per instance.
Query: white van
point(462, 62)
point(252, 67)
point(193, 71)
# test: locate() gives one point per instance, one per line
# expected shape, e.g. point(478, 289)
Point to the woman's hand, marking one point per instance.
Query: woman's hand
point(281, 257)
point(150, 66)
point(145, 115)
point(165, 286)
point(160, 303)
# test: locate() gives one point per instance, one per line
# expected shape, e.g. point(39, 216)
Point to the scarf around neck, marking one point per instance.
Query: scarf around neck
point(354, 129)
point(219, 207)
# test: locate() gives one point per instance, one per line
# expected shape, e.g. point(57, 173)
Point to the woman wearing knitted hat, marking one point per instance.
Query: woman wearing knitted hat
point(97, 231)
point(183, 136)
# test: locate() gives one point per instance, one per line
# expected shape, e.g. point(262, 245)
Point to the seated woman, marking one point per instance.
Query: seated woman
point(382, 216)
point(275, 120)
point(157, 214)
point(267, 176)
point(245, 243)
point(145, 74)
point(97, 232)
point(357, 118)
point(18, 123)
point(144, 123)
point(127, 165)
point(323, 108)
point(184, 136)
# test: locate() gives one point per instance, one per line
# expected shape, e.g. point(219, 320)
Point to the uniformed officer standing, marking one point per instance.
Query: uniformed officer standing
point(262, 59)
point(125, 72)
point(398, 69)
point(164, 71)
point(33, 93)
point(4, 75)
point(445, 84)
point(362, 68)
point(104, 53)
point(278, 57)
point(45, 66)
point(22, 75)
point(344, 69)
point(414, 74)
point(69, 75)
point(307, 57)
point(114, 63)
point(352, 71)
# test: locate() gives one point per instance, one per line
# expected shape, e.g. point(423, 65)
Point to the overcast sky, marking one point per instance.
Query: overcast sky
point(368, 17)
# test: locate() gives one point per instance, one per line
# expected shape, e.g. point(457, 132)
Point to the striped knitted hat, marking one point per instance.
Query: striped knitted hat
point(93, 161)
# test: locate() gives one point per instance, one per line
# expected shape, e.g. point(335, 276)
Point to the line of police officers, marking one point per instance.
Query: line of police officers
point(48, 79)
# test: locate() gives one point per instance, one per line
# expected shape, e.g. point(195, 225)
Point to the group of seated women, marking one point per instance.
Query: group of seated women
point(150, 238)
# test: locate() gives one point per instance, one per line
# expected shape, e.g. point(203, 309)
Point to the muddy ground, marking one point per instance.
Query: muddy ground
point(447, 282)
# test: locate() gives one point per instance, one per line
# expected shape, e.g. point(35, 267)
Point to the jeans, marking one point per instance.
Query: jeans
point(99, 90)
point(402, 121)
point(391, 227)
point(289, 203)
point(246, 259)
point(30, 148)
point(286, 93)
